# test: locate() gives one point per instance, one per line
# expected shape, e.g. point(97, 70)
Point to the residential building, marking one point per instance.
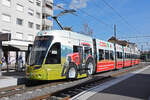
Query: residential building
point(47, 12)
point(23, 19)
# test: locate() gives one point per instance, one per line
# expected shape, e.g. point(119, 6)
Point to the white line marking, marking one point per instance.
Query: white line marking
point(88, 93)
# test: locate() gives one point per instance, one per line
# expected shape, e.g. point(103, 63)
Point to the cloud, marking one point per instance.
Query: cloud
point(77, 4)
point(59, 6)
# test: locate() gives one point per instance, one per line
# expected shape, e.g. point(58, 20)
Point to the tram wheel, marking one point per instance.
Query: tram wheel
point(90, 67)
point(72, 72)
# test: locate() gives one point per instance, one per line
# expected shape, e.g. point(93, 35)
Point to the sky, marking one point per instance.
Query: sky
point(100, 17)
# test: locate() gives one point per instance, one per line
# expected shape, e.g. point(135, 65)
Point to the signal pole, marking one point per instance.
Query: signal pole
point(115, 46)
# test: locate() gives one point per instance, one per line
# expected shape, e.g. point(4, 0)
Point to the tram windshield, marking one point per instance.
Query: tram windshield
point(39, 49)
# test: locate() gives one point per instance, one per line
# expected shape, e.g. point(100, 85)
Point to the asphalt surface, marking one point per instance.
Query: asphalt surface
point(136, 87)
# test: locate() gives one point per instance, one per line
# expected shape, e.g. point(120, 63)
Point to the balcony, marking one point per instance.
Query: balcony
point(49, 3)
point(47, 11)
point(47, 22)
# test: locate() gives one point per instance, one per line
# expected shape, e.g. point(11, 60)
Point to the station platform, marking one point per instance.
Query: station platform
point(132, 86)
point(11, 78)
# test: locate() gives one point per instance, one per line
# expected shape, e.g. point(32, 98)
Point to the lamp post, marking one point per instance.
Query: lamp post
point(115, 46)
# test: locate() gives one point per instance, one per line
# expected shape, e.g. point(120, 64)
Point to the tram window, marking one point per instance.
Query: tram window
point(135, 56)
point(117, 54)
point(77, 48)
point(120, 55)
point(148, 56)
point(132, 56)
point(54, 54)
point(128, 56)
point(139, 56)
point(101, 54)
point(125, 55)
point(87, 51)
point(107, 54)
point(111, 55)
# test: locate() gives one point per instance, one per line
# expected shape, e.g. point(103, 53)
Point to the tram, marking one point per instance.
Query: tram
point(61, 54)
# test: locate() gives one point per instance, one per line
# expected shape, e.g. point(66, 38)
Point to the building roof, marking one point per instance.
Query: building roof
point(120, 42)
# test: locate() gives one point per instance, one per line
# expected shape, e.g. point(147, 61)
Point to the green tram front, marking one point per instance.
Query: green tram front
point(44, 61)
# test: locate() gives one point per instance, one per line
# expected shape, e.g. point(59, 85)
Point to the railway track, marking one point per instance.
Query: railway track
point(19, 89)
point(61, 90)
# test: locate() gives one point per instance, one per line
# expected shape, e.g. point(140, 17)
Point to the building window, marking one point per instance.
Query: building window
point(19, 35)
point(6, 31)
point(31, 1)
point(38, 2)
point(30, 37)
point(6, 17)
point(30, 24)
point(38, 26)
point(31, 12)
point(20, 7)
point(48, 27)
point(6, 2)
point(19, 21)
point(38, 15)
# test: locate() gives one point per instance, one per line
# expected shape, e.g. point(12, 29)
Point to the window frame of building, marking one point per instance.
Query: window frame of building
point(38, 15)
point(49, 6)
point(18, 7)
point(18, 37)
point(18, 23)
point(38, 27)
point(6, 31)
point(48, 27)
point(30, 24)
point(31, 12)
point(31, 1)
point(38, 2)
point(6, 17)
point(6, 3)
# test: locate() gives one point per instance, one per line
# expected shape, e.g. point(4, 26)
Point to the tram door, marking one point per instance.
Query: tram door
point(87, 52)
point(81, 55)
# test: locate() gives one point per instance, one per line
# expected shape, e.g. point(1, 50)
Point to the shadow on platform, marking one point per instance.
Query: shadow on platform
point(137, 87)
